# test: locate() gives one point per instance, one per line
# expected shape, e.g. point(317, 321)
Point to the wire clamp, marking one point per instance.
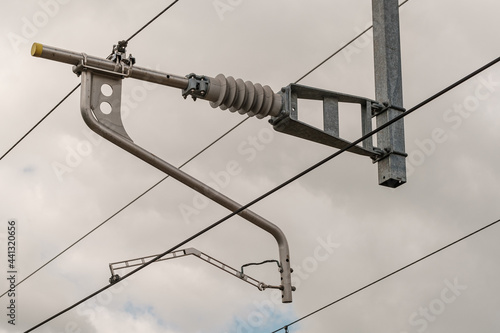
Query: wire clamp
point(114, 278)
point(197, 86)
point(119, 54)
point(384, 153)
point(379, 108)
point(122, 67)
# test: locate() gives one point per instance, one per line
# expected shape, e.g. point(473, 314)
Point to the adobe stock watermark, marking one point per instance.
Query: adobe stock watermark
point(31, 25)
point(225, 6)
point(248, 149)
point(455, 117)
point(78, 152)
point(422, 318)
point(264, 311)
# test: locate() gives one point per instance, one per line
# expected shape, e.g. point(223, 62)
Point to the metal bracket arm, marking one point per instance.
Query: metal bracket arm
point(226, 93)
point(288, 121)
point(113, 267)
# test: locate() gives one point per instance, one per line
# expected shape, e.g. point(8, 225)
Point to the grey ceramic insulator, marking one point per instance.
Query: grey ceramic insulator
point(244, 97)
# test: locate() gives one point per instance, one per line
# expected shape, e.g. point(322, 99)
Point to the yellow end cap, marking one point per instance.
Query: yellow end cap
point(36, 49)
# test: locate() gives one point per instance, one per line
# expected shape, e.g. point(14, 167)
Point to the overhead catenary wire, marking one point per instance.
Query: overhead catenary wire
point(340, 49)
point(189, 160)
point(152, 20)
point(282, 185)
point(40, 121)
point(387, 276)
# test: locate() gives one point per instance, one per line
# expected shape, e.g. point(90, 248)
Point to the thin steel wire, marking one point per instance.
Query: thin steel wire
point(41, 120)
point(341, 49)
point(386, 276)
point(152, 20)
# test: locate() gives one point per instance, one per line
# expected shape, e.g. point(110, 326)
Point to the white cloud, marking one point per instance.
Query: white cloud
point(452, 192)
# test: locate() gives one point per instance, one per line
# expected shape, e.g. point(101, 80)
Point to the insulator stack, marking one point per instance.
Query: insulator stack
point(244, 97)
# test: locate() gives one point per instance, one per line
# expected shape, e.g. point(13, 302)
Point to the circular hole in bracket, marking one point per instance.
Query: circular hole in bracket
point(105, 108)
point(106, 90)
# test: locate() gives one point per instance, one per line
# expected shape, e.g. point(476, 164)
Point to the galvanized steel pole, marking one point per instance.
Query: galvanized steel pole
point(389, 90)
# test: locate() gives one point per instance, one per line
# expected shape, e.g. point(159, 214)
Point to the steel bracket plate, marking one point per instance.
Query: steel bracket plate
point(288, 121)
point(104, 95)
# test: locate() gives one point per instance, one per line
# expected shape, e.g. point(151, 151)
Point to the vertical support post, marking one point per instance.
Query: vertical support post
point(366, 124)
point(389, 89)
point(331, 116)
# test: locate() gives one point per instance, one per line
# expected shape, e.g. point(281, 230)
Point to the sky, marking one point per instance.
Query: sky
point(344, 230)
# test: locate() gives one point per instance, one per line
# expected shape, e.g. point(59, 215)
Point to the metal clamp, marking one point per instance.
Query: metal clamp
point(379, 108)
point(197, 86)
point(82, 66)
point(118, 56)
point(114, 278)
point(384, 153)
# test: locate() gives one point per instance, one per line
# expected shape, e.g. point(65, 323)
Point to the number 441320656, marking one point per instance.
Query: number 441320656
point(11, 244)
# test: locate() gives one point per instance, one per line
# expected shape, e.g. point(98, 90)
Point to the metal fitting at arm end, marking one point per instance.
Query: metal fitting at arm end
point(36, 49)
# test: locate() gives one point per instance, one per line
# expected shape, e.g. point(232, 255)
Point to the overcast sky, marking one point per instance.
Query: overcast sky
point(344, 230)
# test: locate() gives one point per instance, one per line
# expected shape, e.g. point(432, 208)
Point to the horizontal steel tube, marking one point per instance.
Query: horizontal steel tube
point(140, 73)
point(253, 99)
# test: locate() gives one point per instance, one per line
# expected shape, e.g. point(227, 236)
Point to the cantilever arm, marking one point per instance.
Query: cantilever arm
point(227, 93)
point(260, 101)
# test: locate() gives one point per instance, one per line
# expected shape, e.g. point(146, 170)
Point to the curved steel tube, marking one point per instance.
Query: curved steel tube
point(126, 144)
